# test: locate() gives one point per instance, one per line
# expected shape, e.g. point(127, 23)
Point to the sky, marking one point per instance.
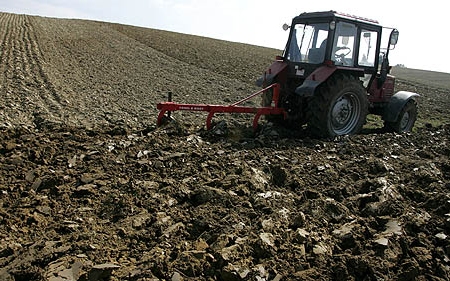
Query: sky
point(422, 43)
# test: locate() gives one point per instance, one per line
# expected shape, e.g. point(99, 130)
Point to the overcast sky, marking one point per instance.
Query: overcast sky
point(422, 24)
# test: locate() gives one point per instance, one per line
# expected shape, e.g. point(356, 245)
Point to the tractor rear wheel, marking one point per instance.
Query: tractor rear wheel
point(406, 119)
point(339, 107)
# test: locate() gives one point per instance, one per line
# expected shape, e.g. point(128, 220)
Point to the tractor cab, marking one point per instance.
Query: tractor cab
point(350, 43)
point(332, 38)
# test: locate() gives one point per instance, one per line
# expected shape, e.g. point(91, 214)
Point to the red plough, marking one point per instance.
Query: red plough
point(169, 106)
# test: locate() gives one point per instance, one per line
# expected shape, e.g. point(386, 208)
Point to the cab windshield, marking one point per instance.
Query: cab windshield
point(308, 43)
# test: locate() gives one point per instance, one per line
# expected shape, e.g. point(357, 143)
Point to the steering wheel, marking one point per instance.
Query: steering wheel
point(341, 55)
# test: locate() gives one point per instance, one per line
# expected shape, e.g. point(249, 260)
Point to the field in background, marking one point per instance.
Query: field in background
point(430, 78)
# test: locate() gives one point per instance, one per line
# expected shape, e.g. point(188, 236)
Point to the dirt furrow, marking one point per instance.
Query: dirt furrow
point(25, 81)
point(5, 22)
point(4, 35)
point(46, 95)
point(12, 74)
point(34, 53)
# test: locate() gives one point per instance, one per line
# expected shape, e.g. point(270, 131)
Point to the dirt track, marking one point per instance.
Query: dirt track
point(91, 189)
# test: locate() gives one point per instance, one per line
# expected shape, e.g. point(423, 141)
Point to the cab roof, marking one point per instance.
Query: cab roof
point(314, 16)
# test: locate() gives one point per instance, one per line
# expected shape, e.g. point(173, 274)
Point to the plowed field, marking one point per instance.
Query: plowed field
point(91, 189)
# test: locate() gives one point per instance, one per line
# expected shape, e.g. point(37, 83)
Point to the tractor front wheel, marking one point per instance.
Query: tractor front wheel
point(339, 107)
point(406, 119)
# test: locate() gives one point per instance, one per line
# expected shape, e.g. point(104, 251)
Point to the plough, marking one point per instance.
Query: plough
point(167, 107)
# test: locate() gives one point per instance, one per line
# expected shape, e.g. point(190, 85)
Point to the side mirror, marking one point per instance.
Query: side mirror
point(394, 37)
point(285, 26)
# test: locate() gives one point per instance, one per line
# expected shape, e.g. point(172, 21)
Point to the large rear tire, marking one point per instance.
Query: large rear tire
point(405, 121)
point(339, 107)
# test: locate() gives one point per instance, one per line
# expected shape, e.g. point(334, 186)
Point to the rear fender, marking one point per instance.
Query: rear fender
point(396, 104)
point(320, 75)
point(269, 75)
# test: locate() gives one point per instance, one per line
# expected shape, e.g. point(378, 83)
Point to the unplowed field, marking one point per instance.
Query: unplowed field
point(90, 189)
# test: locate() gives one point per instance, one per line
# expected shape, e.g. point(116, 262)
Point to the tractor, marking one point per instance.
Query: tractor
point(333, 72)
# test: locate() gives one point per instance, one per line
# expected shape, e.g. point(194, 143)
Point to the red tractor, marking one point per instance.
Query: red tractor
point(333, 72)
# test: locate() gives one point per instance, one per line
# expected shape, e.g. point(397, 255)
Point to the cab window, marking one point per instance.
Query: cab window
point(367, 48)
point(344, 44)
point(308, 43)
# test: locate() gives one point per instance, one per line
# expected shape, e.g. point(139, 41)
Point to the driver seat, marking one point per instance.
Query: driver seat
point(317, 55)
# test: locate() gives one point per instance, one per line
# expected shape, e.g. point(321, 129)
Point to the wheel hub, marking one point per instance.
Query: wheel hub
point(405, 121)
point(345, 114)
point(341, 112)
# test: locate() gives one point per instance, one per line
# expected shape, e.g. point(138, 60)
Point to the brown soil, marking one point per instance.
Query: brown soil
point(92, 190)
